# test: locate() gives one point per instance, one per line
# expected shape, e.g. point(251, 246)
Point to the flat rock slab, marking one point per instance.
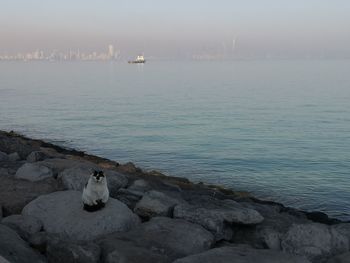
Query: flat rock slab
point(315, 241)
point(173, 238)
point(62, 213)
point(216, 216)
point(155, 203)
point(242, 255)
point(14, 249)
point(33, 172)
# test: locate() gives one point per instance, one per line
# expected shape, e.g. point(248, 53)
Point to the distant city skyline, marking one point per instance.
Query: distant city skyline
point(57, 55)
point(179, 29)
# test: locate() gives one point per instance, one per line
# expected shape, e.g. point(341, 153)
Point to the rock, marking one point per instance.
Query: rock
point(115, 181)
point(315, 241)
point(3, 157)
point(51, 152)
point(76, 177)
point(140, 185)
point(3, 260)
point(33, 172)
point(4, 172)
point(217, 216)
point(36, 156)
point(23, 225)
point(343, 228)
point(14, 157)
point(11, 142)
point(15, 193)
point(58, 165)
point(320, 217)
point(343, 258)
point(114, 250)
point(62, 213)
point(14, 249)
point(128, 168)
point(63, 251)
point(269, 233)
point(128, 197)
point(173, 238)
point(155, 203)
point(39, 241)
point(242, 255)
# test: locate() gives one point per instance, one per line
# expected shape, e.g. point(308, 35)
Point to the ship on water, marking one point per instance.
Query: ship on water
point(139, 59)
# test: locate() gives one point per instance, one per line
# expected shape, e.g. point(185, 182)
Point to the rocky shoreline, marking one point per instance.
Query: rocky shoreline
point(150, 217)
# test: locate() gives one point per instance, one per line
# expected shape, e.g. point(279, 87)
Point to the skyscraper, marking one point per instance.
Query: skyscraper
point(110, 51)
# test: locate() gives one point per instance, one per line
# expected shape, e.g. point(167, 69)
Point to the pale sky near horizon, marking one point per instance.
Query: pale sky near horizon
point(179, 28)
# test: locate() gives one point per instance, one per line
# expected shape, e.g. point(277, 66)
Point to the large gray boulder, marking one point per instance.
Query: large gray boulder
point(39, 241)
point(315, 241)
point(128, 197)
point(269, 233)
point(217, 216)
point(64, 251)
point(115, 181)
point(173, 238)
point(242, 255)
point(14, 249)
point(4, 172)
point(343, 228)
point(3, 260)
point(62, 213)
point(155, 203)
point(58, 165)
point(15, 193)
point(14, 157)
point(343, 258)
point(36, 156)
point(115, 250)
point(75, 178)
point(23, 225)
point(33, 172)
point(140, 185)
point(3, 157)
point(11, 142)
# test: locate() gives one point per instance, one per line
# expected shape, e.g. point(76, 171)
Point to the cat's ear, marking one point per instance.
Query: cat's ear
point(101, 173)
point(94, 172)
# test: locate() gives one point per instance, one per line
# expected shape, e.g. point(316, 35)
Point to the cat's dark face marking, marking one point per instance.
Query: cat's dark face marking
point(98, 176)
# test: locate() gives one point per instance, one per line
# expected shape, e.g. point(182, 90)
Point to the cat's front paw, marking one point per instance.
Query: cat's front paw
point(100, 203)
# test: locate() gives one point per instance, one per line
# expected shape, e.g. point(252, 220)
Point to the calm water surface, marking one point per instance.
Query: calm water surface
point(279, 129)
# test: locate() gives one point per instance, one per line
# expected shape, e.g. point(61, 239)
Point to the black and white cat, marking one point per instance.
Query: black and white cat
point(95, 193)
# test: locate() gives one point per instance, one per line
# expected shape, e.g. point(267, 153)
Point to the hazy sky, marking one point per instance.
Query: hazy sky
point(179, 28)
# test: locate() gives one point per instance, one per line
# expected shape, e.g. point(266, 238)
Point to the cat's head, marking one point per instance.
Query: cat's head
point(98, 176)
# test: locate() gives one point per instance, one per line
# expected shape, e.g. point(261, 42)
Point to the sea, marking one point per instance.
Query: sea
point(279, 129)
